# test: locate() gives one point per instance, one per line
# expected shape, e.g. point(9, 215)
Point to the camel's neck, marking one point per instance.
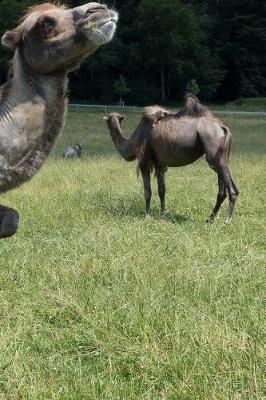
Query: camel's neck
point(124, 146)
point(32, 111)
point(34, 105)
point(117, 133)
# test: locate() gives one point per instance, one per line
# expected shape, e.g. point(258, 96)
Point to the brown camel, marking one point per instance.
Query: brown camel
point(49, 42)
point(163, 139)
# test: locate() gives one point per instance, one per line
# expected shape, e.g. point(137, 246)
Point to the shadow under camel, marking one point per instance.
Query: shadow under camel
point(121, 206)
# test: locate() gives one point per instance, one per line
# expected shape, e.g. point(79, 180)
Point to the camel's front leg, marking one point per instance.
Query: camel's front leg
point(9, 222)
point(146, 176)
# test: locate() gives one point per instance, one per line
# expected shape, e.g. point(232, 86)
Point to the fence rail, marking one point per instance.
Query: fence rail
point(107, 108)
point(104, 107)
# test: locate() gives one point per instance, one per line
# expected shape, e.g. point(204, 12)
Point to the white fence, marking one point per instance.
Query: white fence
point(102, 107)
point(106, 108)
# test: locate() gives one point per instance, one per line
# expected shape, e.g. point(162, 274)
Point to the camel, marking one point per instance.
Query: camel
point(163, 139)
point(49, 42)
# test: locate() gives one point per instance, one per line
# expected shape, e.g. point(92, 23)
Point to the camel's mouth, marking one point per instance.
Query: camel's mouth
point(100, 31)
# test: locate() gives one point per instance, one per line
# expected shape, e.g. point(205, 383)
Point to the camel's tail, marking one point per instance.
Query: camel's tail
point(227, 141)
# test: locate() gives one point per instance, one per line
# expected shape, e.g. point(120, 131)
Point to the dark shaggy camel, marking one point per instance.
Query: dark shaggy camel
point(50, 41)
point(164, 140)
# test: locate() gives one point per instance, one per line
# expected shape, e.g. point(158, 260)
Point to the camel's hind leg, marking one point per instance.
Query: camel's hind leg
point(226, 186)
point(9, 222)
point(146, 177)
point(232, 191)
point(221, 196)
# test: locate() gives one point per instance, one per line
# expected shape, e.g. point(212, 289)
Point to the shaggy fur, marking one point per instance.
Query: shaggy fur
point(164, 139)
point(40, 8)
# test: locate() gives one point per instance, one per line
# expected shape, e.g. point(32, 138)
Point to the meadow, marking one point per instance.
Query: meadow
point(99, 303)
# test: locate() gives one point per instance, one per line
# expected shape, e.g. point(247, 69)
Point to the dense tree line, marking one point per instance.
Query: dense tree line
point(214, 48)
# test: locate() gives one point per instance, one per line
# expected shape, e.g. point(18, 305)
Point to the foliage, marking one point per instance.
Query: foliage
point(160, 46)
point(238, 35)
point(121, 88)
point(193, 87)
point(174, 45)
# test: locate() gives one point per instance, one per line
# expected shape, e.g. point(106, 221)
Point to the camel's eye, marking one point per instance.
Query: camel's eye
point(46, 26)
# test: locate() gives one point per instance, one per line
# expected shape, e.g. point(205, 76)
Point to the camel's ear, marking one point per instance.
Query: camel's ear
point(105, 118)
point(11, 39)
point(122, 118)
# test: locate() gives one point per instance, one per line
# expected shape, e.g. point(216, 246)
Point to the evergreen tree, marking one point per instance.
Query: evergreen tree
point(121, 88)
point(193, 87)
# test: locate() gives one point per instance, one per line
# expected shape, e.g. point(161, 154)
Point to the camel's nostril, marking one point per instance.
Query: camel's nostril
point(87, 10)
point(96, 8)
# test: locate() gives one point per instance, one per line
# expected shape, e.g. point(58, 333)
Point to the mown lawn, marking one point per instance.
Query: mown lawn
point(99, 303)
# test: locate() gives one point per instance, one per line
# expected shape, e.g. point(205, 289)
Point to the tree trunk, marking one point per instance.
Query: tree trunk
point(92, 83)
point(162, 73)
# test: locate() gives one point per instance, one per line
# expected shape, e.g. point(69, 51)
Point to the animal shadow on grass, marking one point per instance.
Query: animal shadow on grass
point(172, 217)
point(133, 208)
point(123, 207)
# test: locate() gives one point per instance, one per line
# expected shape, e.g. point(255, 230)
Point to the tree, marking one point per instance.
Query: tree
point(237, 35)
point(173, 44)
point(121, 88)
point(193, 87)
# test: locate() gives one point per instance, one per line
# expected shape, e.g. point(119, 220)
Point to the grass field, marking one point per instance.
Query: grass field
point(99, 303)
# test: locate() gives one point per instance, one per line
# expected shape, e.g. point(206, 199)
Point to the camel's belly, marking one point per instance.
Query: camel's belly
point(180, 151)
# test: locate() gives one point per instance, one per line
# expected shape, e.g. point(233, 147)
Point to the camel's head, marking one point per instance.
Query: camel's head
point(53, 38)
point(114, 117)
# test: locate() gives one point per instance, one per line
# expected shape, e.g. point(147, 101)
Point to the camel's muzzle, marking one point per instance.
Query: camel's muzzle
point(96, 21)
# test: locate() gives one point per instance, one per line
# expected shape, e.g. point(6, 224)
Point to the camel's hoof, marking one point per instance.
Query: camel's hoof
point(228, 221)
point(9, 223)
point(164, 214)
point(209, 220)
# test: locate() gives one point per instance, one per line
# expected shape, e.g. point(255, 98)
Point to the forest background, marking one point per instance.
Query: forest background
point(213, 48)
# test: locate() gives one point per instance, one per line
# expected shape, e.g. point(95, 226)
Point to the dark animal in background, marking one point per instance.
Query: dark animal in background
point(73, 151)
point(163, 139)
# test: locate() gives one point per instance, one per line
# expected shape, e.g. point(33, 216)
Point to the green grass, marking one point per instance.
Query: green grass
point(99, 303)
